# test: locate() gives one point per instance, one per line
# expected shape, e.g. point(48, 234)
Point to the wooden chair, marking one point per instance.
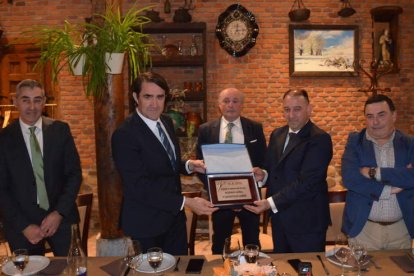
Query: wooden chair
point(191, 222)
point(84, 202)
point(336, 208)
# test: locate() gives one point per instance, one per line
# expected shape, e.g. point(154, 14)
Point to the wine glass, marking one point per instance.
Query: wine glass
point(342, 251)
point(20, 259)
point(3, 248)
point(358, 250)
point(251, 251)
point(134, 254)
point(232, 250)
point(154, 257)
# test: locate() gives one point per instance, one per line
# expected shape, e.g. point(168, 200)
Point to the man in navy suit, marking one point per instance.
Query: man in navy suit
point(244, 131)
point(147, 155)
point(377, 170)
point(296, 166)
point(38, 204)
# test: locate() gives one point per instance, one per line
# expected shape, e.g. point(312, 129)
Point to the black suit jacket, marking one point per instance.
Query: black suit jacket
point(209, 133)
point(62, 172)
point(152, 189)
point(297, 178)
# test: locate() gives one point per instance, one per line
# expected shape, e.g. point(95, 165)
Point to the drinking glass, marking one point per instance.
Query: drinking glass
point(3, 248)
point(134, 254)
point(251, 251)
point(232, 250)
point(342, 251)
point(154, 257)
point(358, 251)
point(20, 259)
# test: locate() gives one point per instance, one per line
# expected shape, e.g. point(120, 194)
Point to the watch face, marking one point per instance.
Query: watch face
point(237, 30)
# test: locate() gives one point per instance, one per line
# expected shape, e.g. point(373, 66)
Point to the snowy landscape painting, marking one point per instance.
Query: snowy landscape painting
point(322, 50)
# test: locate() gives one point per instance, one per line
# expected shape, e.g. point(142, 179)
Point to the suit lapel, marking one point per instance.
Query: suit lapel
point(215, 132)
point(21, 151)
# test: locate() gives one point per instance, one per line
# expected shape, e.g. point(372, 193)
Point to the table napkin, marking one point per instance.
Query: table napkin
point(55, 267)
point(404, 262)
point(115, 268)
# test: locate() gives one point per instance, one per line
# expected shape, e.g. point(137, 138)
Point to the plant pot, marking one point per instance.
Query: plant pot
point(178, 119)
point(114, 62)
point(77, 65)
point(298, 15)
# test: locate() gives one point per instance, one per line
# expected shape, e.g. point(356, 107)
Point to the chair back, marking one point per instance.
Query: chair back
point(191, 222)
point(84, 203)
point(336, 208)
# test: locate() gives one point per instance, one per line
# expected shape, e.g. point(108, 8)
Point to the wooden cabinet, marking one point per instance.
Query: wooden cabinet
point(17, 63)
point(179, 55)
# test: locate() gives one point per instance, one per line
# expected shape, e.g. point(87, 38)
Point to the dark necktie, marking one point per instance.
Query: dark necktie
point(229, 136)
point(37, 164)
point(166, 144)
point(292, 136)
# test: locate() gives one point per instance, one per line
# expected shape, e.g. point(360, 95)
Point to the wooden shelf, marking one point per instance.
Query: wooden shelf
point(179, 61)
point(172, 27)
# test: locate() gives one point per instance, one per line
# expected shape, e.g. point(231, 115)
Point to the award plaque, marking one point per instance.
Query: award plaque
point(231, 182)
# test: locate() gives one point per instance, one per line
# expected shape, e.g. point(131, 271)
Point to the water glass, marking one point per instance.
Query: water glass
point(134, 254)
point(342, 251)
point(251, 252)
point(154, 257)
point(358, 251)
point(232, 250)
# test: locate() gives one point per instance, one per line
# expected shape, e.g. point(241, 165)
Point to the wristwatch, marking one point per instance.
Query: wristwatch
point(372, 172)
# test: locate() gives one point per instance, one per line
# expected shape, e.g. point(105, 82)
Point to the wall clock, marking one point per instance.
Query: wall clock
point(237, 30)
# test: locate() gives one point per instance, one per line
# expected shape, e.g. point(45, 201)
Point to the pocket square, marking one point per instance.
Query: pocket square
point(253, 141)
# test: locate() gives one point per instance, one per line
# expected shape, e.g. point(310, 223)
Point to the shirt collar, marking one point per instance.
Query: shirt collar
point(224, 122)
point(150, 123)
point(25, 127)
point(388, 143)
point(291, 131)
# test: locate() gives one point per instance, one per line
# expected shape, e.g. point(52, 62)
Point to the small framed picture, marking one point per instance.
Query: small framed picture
point(323, 50)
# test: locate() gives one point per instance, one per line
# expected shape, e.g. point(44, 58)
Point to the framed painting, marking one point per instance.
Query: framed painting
point(323, 50)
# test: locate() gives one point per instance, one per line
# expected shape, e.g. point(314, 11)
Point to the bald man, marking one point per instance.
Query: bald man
point(243, 131)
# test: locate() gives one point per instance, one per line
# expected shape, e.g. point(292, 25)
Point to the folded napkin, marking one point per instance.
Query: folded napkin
point(55, 267)
point(115, 268)
point(404, 262)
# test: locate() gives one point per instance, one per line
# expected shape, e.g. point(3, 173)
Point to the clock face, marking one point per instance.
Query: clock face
point(237, 30)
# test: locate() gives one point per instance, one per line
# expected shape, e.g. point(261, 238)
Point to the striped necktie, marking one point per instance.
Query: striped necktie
point(37, 164)
point(166, 144)
point(229, 136)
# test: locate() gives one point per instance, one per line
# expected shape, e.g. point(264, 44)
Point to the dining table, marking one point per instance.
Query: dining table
point(385, 265)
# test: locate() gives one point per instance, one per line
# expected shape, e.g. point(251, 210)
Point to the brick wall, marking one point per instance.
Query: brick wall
point(263, 74)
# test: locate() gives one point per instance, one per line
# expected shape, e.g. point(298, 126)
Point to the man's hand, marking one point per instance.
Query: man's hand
point(259, 206)
point(33, 233)
point(396, 190)
point(259, 174)
point(197, 166)
point(51, 223)
point(200, 206)
point(364, 171)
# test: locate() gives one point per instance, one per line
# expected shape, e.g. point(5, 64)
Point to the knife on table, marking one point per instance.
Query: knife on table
point(323, 265)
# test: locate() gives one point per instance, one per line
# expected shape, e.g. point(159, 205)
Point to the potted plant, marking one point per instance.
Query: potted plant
point(115, 37)
point(87, 44)
point(60, 47)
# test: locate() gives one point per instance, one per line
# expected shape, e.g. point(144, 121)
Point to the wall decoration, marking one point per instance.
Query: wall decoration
point(237, 30)
point(323, 50)
point(385, 37)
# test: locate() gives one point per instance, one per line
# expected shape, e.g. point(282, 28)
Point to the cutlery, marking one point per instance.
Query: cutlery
point(176, 264)
point(375, 264)
point(323, 265)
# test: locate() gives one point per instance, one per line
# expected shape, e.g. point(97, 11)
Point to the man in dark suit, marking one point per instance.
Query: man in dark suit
point(377, 170)
point(296, 166)
point(147, 155)
point(40, 176)
point(243, 131)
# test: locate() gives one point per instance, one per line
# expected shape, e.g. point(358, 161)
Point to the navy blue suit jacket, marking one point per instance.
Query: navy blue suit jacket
point(297, 178)
point(151, 187)
point(362, 192)
point(62, 172)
